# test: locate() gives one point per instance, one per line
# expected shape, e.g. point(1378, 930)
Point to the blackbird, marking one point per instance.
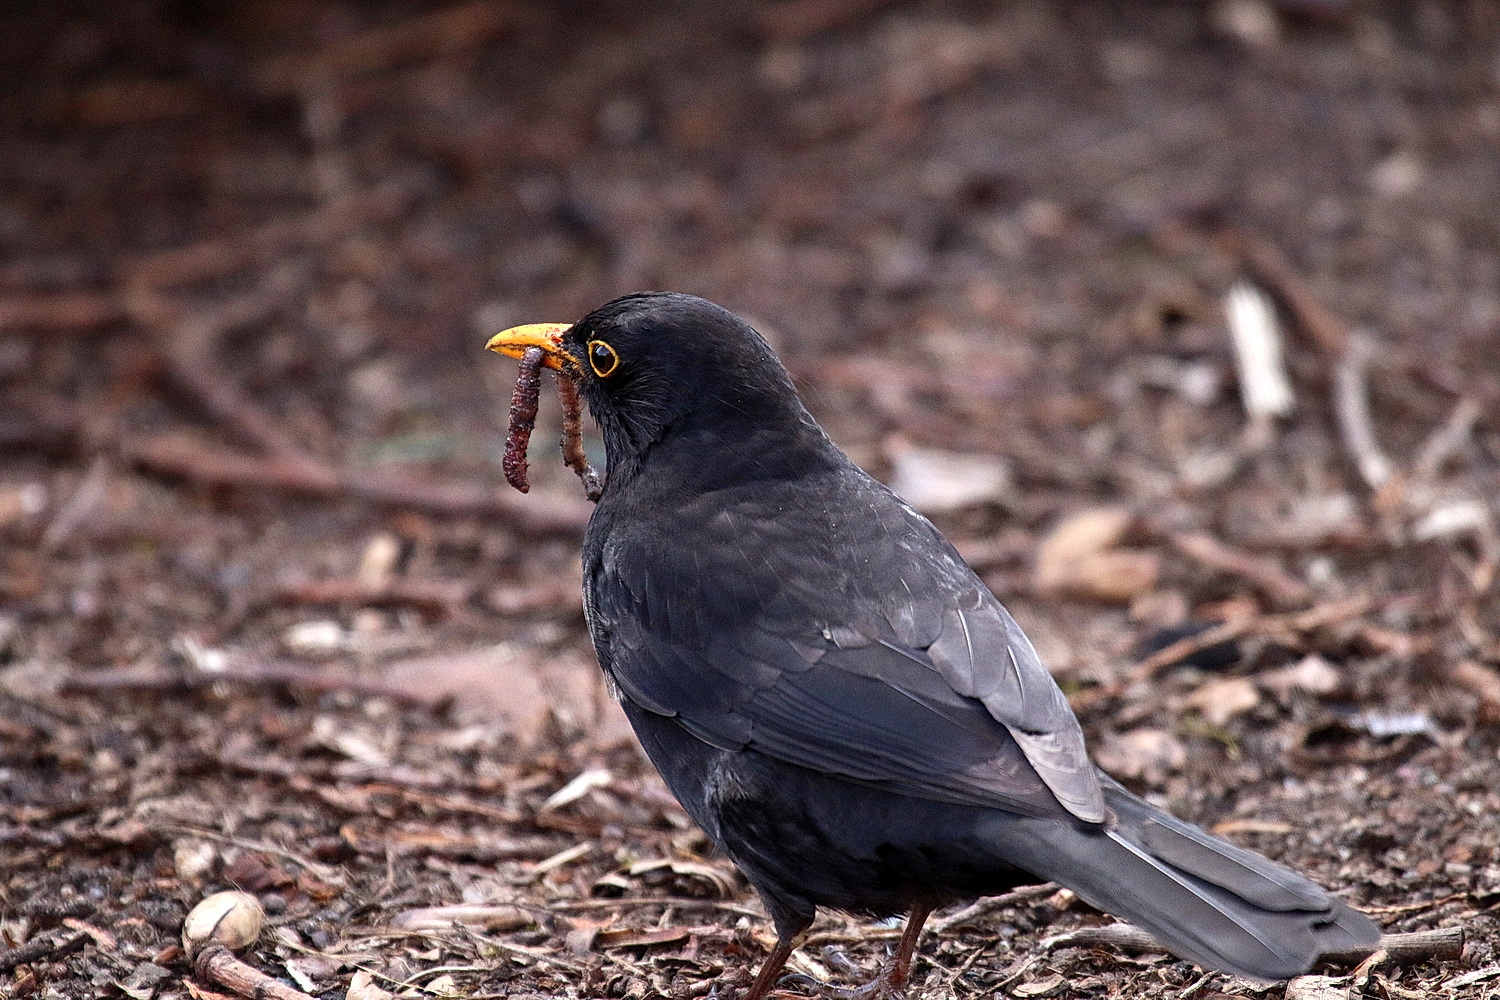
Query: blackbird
point(835, 696)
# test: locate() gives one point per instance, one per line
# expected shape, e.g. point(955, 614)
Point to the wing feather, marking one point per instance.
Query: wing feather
point(868, 650)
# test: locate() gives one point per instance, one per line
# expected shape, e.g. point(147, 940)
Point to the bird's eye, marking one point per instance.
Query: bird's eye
point(602, 358)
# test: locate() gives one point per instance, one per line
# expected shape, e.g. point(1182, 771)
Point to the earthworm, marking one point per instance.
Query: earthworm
point(572, 438)
point(523, 417)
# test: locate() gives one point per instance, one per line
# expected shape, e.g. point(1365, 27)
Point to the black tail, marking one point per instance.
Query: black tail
point(1203, 898)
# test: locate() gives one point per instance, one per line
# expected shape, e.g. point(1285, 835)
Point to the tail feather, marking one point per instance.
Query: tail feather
point(1203, 898)
point(1249, 875)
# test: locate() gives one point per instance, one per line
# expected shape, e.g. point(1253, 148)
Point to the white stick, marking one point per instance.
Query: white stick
point(1352, 406)
point(1264, 388)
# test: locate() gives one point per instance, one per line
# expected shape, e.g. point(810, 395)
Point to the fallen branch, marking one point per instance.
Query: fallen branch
point(1400, 949)
point(180, 456)
point(217, 964)
point(1409, 948)
point(210, 258)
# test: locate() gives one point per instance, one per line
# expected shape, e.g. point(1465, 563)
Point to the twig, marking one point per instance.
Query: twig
point(323, 119)
point(679, 902)
point(186, 341)
point(1446, 440)
point(180, 456)
point(80, 507)
point(1299, 621)
point(59, 312)
point(210, 258)
point(1418, 906)
point(1409, 948)
point(1413, 488)
point(1126, 937)
point(1013, 974)
point(277, 675)
point(176, 454)
point(439, 597)
point(796, 20)
point(102, 938)
point(535, 954)
point(989, 904)
point(454, 29)
point(559, 515)
point(1352, 406)
point(47, 945)
point(327, 873)
point(1269, 266)
point(1470, 978)
point(217, 964)
point(1266, 575)
point(1401, 949)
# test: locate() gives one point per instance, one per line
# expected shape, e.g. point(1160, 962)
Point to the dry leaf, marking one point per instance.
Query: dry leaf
point(1141, 753)
point(1221, 700)
point(720, 879)
point(1115, 576)
point(581, 785)
point(362, 987)
point(632, 939)
point(1312, 674)
point(1078, 557)
point(521, 686)
point(1318, 988)
point(482, 917)
point(1082, 534)
point(1483, 682)
point(943, 482)
point(1050, 986)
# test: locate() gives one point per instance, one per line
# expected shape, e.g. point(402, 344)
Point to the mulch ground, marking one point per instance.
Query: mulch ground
point(271, 620)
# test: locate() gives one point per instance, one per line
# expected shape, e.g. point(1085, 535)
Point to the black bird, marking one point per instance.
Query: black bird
point(834, 696)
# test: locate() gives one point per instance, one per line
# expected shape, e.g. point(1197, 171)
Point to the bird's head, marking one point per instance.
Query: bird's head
point(658, 366)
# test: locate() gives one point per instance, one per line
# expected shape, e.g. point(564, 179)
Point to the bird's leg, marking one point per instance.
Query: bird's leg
point(772, 966)
point(897, 972)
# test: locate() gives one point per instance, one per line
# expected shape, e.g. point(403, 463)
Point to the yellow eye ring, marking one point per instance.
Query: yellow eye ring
point(602, 358)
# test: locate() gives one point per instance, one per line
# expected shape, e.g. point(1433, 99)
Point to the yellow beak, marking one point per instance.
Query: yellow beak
point(548, 336)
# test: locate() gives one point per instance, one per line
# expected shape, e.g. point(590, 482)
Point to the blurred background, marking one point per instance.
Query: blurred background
point(270, 618)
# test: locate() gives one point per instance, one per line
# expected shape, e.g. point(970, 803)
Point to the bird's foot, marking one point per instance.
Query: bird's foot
point(890, 984)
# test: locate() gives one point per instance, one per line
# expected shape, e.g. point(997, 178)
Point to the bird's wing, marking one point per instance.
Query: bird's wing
point(859, 645)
